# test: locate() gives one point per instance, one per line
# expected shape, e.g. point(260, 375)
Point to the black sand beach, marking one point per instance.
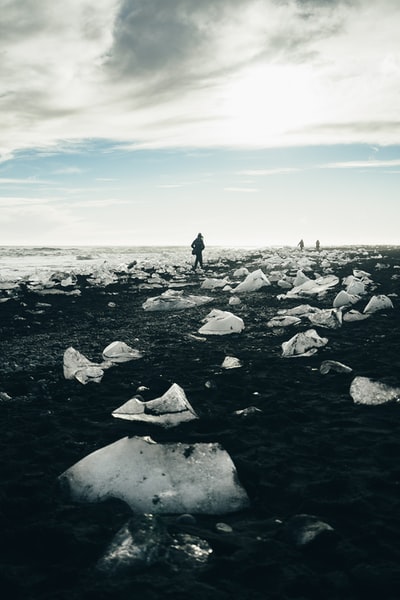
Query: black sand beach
point(310, 451)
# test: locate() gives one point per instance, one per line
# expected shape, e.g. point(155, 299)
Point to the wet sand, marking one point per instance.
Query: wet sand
point(311, 449)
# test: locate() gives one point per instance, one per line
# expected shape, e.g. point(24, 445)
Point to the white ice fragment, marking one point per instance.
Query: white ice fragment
point(171, 409)
point(283, 321)
point(234, 301)
point(246, 412)
point(231, 362)
point(221, 322)
point(343, 298)
point(366, 391)
point(330, 318)
point(300, 278)
point(354, 315)
point(376, 303)
point(303, 344)
point(77, 366)
point(211, 283)
point(171, 478)
point(242, 272)
point(174, 300)
point(120, 352)
point(333, 365)
point(253, 282)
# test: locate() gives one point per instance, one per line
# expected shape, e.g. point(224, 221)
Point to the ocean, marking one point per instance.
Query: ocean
point(19, 262)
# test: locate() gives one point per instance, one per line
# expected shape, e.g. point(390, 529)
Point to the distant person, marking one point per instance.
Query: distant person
point(197, 249)
point(301, 245)
point(317, 246)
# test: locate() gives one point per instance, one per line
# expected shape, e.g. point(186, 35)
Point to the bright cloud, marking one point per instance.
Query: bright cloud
point(241, 73)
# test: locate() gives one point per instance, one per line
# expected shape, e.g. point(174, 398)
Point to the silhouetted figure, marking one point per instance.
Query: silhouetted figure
point(197, 249)
point(317, 246)
point(301, 245)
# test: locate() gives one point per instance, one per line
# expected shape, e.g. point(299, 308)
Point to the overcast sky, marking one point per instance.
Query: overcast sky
point(256, 122)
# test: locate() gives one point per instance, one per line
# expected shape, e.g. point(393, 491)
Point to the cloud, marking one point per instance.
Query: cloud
point(262, 172)
point(240, 189)
point(362, 164)
point(183, 73)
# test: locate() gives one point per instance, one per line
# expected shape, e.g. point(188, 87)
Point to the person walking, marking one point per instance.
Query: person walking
point(197, 249)
point(317, 246)
point(301, 245)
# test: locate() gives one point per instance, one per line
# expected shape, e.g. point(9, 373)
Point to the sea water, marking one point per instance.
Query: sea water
point(17, 262)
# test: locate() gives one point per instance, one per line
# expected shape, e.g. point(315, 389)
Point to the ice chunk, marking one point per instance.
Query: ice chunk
point(242, 272)
point(303, 344)
point(140, 543)
point(221, 322)
point(120, 352)
point(303, 529)
point(231, 362)
point(283, 321)
point(376, 303)
point(169, 410)
point(211, 283)
point(77, 366)
point(331, 318)
point(354, 315)
point(366, 391)
point(253, 282)
point(333, 365)
point(158, 478)
point(345, 299)
point(174, 300)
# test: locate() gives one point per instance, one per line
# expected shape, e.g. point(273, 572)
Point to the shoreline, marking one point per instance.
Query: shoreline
point(310, 449)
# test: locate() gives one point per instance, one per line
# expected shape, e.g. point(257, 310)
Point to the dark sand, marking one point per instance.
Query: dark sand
point(311, 450)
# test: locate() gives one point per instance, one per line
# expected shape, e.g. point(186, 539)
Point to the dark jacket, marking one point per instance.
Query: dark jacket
point(198, 245)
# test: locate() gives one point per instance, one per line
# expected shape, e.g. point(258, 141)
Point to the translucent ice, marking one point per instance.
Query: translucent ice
point(169, 410)
point(158, 478)
point(365, 391)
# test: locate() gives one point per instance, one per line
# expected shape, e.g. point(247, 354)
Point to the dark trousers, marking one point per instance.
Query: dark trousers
point(198, 261)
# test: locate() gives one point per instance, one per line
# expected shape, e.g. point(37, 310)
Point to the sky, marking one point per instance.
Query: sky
point(144, 122)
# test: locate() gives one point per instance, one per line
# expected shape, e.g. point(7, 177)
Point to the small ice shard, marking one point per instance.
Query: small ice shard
point(303, 344)
point(302, 310)
point(211, 283)
point(140, 543)
point(361, 274)
point(174, 300)
point(77, 366)
point(376, 303)
point(246, 412)
point(119, 352)
point(365, 391)
point(253, 282)
point(144, 541)
point(313, 287)
point(188, 551)
point(354, 286)
point(333, 365)
point(330, 318)
point(300, 278)
point(170, 478)
point(283, 321)
point(169, 410)
point(345, 299)
point(242, 272)
point(234, 301)
point(221, 322)
point(231, 362)
point(303, 529)
point(354, 315)
point(285, 284)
